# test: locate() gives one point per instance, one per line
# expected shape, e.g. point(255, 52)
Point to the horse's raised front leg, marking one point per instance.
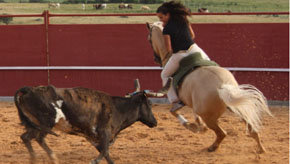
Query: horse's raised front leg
point(199, 127)
point(190, 126)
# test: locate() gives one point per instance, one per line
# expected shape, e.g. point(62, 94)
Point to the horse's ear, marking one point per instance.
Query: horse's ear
point(148, 26)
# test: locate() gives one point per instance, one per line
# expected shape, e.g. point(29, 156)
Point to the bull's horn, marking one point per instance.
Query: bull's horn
point(137, 85)
point(164, 90)
point(153, 94)
point(137, 88)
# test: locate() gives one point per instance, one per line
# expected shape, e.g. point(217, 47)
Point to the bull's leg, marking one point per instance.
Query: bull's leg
point(99, 158)
point(101, 155)
point(255, 135)
point(26, 138)
point(42, 143)
point(103, 147)
point(220, 134)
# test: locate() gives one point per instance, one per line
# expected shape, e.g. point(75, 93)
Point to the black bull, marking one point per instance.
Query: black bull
point(93, 114)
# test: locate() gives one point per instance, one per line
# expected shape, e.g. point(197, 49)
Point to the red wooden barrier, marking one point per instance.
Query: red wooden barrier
point(231, 45)
point(260, 45)
point(256, 45)
point(11, 80)
point(23, 45)
point(99, 45)
point(116, 82)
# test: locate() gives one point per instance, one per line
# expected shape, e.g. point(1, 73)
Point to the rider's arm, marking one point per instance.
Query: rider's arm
point(167, 43)
point(191, 32)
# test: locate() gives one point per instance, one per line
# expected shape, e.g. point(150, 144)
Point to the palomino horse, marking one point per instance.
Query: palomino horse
point(209, 91)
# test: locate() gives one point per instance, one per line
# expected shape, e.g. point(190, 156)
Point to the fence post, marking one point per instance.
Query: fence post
point(46, 23)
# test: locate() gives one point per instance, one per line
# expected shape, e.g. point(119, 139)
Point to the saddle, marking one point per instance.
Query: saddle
point(187, 65)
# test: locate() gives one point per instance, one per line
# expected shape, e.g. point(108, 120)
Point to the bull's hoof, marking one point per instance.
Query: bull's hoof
point(33, 160)
point(95, 161)
point(212, 148)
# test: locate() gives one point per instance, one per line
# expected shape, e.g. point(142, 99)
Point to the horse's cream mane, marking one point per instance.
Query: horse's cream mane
point(158, 24)
point(158, 41)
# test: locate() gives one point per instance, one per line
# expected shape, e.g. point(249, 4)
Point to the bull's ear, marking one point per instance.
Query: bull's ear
point(139, 97)
point(51, 87)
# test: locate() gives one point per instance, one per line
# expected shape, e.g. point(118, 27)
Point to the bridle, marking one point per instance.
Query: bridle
point(157, 58)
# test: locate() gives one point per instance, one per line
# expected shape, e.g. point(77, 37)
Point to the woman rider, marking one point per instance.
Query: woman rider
point(179, 40)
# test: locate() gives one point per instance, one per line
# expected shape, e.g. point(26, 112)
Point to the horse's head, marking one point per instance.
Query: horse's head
point(161, 54)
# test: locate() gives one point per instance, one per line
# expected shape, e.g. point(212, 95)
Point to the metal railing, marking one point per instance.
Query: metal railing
point(46, 15)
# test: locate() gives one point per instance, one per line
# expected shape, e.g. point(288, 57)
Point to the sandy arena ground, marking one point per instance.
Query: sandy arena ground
point(168, 143)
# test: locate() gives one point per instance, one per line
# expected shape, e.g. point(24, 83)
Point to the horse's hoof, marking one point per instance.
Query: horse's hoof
point(54, 159)
point(261, 151)
point(191, 126)
point(202, 129)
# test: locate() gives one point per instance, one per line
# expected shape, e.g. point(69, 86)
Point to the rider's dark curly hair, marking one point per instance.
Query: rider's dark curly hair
point(178, 12)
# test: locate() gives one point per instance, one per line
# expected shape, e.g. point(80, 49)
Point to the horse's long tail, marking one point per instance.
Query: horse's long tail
point(247, 102)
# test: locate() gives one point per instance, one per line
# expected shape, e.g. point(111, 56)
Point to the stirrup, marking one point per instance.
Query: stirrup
point(176, 106)
point(165, 88)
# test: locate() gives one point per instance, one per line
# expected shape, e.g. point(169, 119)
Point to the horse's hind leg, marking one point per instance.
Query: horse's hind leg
point(201, 126)
point(255, 135)
point(26, 138)
point(220, 134)
point(42, 143)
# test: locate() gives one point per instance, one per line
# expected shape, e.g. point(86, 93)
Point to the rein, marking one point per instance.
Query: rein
point(158, 60)
point(167, 56)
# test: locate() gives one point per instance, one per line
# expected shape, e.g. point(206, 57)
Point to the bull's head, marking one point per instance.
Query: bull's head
point(146, 115)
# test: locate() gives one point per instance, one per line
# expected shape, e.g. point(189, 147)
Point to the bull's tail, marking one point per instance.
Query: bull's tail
point(24, 119)
point(247, 102)
point(22, 91)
